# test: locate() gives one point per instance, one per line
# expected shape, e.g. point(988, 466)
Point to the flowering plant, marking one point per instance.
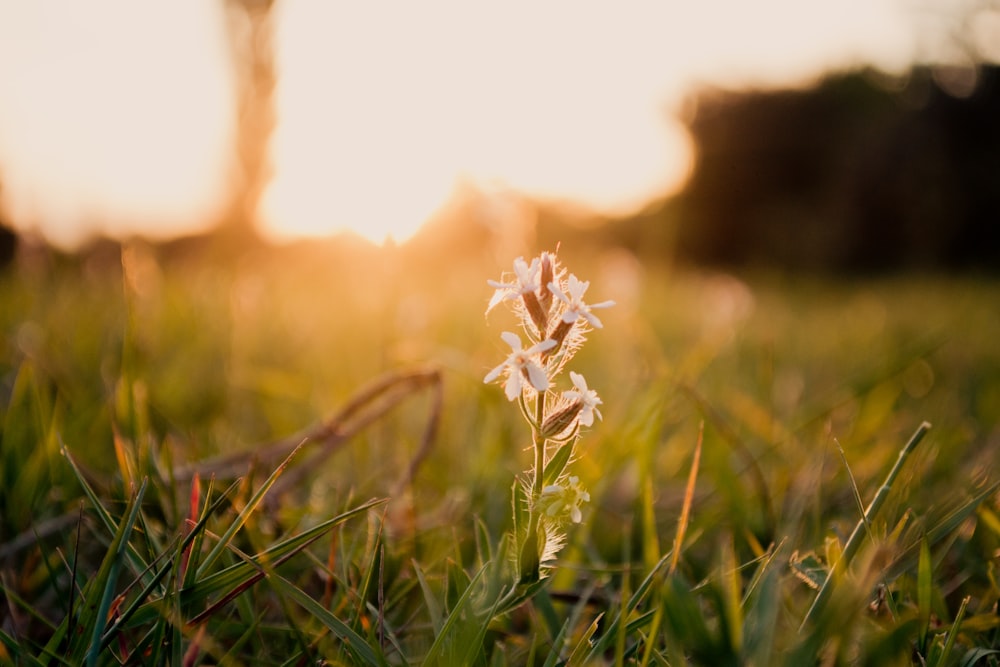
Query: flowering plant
point(555, 319)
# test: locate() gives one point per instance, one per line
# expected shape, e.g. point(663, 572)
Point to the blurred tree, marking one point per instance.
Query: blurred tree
point(250, 26)
point(858, 173)
point(8, 238)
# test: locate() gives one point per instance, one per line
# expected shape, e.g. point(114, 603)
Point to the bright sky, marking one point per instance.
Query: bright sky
point(115, 115)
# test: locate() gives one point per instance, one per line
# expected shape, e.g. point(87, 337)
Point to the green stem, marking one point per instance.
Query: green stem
point(529, 560)
point(854, 541)
point(536, 487)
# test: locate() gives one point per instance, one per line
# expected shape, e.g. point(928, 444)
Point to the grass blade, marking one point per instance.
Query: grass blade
point(355, 642)
point(924, 589)
point(108, 574)
point(244, 515)
point(854, 541)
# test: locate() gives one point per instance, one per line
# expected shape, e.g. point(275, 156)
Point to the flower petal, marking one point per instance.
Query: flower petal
point(539, 380)
point(511, 339)
point(512, 388)
point(494, 374)
point(546, 344)
point(590, 317)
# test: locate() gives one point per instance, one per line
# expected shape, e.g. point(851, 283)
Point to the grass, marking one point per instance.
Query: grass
point(291, 458)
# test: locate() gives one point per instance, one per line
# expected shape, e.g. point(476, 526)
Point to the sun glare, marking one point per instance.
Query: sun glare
point(113, 115)
point(117, 117)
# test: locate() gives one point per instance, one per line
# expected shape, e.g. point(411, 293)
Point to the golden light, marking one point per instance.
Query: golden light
point(118, 116)
point(114, 116)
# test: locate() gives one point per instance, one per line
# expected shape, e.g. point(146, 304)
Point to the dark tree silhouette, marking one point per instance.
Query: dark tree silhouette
point(850, 175)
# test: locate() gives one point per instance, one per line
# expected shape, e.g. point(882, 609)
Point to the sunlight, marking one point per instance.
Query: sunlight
point(374, 134)
point(104, 128)
point(107, 125)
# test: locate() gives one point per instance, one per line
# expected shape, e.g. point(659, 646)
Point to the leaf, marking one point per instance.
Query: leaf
point(430, 601)
point(107, 576)
point(557, 463)
point(244, 515)
point(578, 657)
point(355, 642)
point(974, 655)
point(949, 642)
point(924, 590)
point(433, 656)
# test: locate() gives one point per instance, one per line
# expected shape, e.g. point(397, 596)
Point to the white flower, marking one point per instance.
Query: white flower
point(565, 498)
point(520, 366)
point(575, 307)
point(587, 397)
point(526, 280)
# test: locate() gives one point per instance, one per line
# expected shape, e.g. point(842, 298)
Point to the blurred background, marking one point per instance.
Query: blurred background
point(858, 135)
point(223, 218)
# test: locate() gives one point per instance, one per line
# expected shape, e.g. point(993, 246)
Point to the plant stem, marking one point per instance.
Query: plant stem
point(536, 487)
point(529, 552)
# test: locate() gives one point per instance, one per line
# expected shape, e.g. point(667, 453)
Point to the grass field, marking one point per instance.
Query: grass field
point(149, 515)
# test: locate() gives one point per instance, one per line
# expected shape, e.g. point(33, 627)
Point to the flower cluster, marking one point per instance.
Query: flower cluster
point(555, 319)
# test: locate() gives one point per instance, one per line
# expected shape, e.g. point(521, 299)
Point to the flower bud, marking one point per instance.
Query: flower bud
point(537, 313)
point(558, 335)
point(548, 275)
point(561, 419)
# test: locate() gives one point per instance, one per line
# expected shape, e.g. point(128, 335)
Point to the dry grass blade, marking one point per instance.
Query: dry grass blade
point(366, 406)
point(730, 436)
point(686, 507)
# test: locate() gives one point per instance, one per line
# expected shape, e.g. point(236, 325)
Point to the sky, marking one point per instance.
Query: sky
point(116, 116)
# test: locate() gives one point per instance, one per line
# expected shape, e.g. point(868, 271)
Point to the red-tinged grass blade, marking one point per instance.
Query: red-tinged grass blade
point(355, 643)
point(193, 535)
point(686, 507)
point(102, 583)
point(135, 560)
point(122, 617)
point(107, 576)
point(194, 503)
point(226, 539)
point(196, 536)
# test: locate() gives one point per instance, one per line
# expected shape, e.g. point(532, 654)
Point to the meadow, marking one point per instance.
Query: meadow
point(290, 456)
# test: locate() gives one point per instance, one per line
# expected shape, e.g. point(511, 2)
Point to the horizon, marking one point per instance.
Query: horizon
point(83, 154)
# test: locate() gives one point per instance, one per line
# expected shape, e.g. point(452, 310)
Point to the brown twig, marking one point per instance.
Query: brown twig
point(366, 406)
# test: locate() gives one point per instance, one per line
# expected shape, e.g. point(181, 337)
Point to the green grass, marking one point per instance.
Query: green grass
point(155, 507)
